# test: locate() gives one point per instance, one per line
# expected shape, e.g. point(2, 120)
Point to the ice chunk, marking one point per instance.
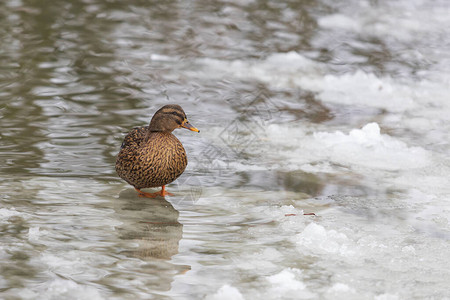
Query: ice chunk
point(318, 240)
point(285, 280)
point(386, 297)
point(341, 291)
point(33, 233)
point(367, 147)
point(226, 292)
point(286, 285)
point(338, 21)
point(6, 213)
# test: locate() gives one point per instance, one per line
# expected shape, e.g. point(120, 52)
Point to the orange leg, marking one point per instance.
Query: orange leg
point(164, 192)
point(161, 193)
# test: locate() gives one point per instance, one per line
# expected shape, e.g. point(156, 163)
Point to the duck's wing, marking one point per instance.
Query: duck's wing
point(134, 138)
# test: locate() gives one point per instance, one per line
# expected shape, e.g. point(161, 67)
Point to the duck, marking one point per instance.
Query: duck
point(151, 156)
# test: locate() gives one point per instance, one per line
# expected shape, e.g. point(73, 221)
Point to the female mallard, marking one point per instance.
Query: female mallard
point(151, 156)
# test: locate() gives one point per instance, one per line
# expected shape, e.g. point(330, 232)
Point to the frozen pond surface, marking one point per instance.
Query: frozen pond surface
point(303, 106)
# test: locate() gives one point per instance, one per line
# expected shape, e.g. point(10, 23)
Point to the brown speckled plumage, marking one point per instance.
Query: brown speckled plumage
point(151, 156)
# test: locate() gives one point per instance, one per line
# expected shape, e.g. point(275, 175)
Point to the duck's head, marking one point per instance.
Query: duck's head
point(170, 117)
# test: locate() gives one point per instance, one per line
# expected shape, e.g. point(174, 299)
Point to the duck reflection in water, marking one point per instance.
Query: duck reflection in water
point(149, 231)
point(152, 224)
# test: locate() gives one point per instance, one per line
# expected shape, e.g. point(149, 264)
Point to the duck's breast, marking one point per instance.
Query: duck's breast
point(151, 161)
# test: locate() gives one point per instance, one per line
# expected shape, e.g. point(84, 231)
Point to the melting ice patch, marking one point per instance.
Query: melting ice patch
point(367, 89)
point(279, 70)
point(383, 248)
point(407, 21)
point(360, 148)
point(293, 70)
point(367, 147)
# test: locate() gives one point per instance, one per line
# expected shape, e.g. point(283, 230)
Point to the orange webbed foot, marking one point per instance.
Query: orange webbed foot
point(161, 193)
point(146, 195)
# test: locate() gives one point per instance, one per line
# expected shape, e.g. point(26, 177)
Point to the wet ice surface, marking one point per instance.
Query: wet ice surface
point(339, 111)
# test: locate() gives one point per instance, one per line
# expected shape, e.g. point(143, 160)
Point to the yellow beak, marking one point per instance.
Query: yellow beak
point(187, 125)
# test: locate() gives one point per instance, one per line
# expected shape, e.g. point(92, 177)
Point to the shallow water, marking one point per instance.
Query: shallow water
point(304, 107)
